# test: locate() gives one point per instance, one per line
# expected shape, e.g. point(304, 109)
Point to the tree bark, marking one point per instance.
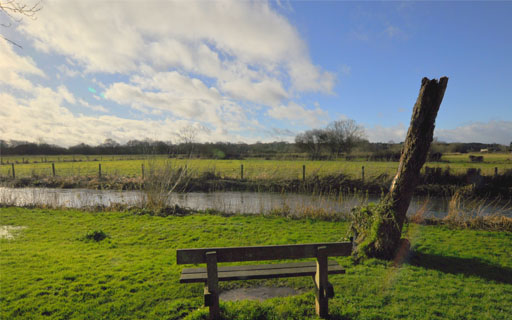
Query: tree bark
point(392, 210)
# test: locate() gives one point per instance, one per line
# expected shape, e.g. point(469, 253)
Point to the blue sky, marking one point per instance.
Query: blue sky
point(253, 71)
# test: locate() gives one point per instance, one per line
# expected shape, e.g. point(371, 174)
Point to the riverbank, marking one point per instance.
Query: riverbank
point(52, 266)
point(491, 178)
point(460, 208)
point(433, 183)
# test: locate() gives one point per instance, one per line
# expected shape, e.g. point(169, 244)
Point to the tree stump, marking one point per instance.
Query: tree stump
point(383, 237)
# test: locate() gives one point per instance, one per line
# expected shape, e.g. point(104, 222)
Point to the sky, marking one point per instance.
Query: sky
point(247, 71)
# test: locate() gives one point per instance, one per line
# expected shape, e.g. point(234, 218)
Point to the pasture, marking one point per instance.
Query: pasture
point(253, 169)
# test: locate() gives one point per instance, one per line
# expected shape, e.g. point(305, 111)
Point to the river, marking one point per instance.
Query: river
point(236, 202)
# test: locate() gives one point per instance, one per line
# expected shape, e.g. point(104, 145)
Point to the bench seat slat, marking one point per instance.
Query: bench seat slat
point(262, 271)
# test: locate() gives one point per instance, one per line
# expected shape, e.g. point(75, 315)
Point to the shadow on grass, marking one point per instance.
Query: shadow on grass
point(338, 317)
point(465, 266)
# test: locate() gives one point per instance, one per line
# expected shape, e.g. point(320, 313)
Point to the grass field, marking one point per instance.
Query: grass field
point(49, 270)
point(254, 169)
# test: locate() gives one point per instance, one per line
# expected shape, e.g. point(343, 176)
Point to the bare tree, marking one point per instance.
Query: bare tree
point(312, 141)
point(187, 136)
point(339, 136)
point(15, 11)
point(343, 136)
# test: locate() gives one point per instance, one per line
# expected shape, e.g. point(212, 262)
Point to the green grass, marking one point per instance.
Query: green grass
point(488, 157)
point(254, 169)
point(54, 269)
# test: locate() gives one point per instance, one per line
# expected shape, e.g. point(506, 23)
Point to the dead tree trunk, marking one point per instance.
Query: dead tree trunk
point(384, 238)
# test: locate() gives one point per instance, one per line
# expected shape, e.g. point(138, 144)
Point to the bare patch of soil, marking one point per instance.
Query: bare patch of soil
point(257, 293)
point(9, 232)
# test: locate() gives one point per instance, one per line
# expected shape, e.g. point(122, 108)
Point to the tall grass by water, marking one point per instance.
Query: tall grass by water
point(468, 212)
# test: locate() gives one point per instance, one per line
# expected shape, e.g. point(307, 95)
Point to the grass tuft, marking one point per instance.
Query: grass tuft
point(94, 235)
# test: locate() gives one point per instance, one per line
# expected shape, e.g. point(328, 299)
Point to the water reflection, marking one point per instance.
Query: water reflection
point(230, 202)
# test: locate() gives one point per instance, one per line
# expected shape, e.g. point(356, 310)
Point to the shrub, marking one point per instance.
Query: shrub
point(473, 158)
point(95, 235)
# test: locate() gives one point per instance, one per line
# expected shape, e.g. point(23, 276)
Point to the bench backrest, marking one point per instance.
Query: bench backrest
point(235, 254)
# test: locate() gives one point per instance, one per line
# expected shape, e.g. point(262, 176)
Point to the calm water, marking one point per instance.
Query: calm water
point(231, 202)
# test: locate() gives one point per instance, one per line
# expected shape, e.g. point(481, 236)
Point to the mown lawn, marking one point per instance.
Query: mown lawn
point(49, 271)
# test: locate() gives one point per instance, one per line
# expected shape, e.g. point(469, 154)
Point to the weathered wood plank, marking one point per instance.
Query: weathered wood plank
point(260, 273)
point(256, 253)
point(212, 283)
point(260, 267)
point(321, 283)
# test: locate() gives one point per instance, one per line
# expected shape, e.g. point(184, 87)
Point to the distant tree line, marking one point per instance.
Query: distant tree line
point(339, 137)
point(344, 138)
point(218, 150)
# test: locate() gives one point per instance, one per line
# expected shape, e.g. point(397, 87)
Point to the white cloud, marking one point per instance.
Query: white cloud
point(68, 72)
point(282, 134)
point(483, 132)
point(269, 92)
point(379, 133)
point(184, 97)
point(219, 39)
point(92, 107)
point(307, 77)
point(99, 83)
point(14, 67)
point(66, 95)
point(210, 63)
point(297, 114)
point(44, 115)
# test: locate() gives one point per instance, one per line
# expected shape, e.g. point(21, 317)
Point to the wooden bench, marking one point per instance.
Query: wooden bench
point(212, 274)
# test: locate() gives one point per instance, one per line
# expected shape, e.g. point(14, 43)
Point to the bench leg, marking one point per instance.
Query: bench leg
point(211, 300)
point(212, 295)
point(321, 284)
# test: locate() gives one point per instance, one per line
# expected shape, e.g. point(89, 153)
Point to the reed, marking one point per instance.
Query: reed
point(161, 180)
point(466, 211)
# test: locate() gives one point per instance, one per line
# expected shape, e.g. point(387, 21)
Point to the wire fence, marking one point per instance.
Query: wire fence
point(259, 170)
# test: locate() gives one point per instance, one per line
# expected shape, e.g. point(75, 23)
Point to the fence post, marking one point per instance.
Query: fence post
point(142, 168)
point(13, 173)
point(242, 171)
point(53, 169)
point(303, 172)
point(99, 170)
point(362, 173)
point(495, 171)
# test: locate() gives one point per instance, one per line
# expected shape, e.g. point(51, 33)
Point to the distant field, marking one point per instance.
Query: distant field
point(67, 157)
point(254, 169)
point(488, 157)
